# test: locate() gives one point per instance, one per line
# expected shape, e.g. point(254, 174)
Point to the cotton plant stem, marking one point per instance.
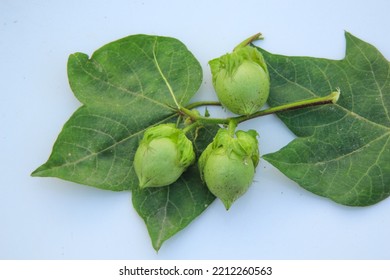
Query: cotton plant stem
point(232, 127)
point(329, 99)
point(200, 119)
point(257, 36)
point(190, 127)
point(203, 103)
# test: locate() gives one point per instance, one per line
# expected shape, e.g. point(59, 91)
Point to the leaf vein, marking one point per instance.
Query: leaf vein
point(120, 88)
point(354, 151)
point(369, 168)
point(163, 76)
point(95, 153)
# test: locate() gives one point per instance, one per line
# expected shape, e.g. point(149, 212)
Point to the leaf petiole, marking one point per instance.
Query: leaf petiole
point(232, 126)
point(332, 98)
point(190, 127)
point(203, 103)
point(200, 119)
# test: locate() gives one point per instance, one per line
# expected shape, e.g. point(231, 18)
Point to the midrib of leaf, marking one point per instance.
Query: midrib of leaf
point(354, 151)
point(361, 118)
point(162, 74)
point(291, 81)
point(348, 113)
point(120, 88)
point(162, 231)
point(93, 154)
point(374, 164)
point(352, 113)
point(111, 120)
point(373, 74)
point(165, 223)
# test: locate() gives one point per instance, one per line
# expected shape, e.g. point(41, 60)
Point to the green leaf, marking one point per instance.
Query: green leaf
point(167, 210)
point(342, 151)
point(126, 86)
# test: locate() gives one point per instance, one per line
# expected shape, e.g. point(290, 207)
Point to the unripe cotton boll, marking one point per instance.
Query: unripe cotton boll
point(228, 164)
point(241, 80)
point(162, 156)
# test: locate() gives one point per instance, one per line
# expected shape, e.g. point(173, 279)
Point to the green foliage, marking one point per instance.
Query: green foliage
point(342, 151)
point(126, 87)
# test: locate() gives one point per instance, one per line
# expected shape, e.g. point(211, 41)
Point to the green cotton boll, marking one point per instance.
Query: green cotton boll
point(228, 164)
point(241, 80)
point(162, 156)
point(228, 177)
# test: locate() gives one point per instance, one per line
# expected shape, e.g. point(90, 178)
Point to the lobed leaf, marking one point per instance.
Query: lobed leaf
point(342, 151)
point(126, 86)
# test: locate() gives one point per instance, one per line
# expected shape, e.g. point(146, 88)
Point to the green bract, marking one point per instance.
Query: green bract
point(163, 155)
point(241, 80)
point(228, 164)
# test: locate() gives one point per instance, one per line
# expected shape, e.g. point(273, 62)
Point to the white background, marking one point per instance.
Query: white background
point(48, 218)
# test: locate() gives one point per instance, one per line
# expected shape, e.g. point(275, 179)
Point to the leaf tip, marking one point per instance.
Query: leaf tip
point(41, 171)
point(157, 248)
point(36, 172)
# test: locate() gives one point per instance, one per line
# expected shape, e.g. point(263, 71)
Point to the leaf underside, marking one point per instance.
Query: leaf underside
point(125, 87)
point(342, 151)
